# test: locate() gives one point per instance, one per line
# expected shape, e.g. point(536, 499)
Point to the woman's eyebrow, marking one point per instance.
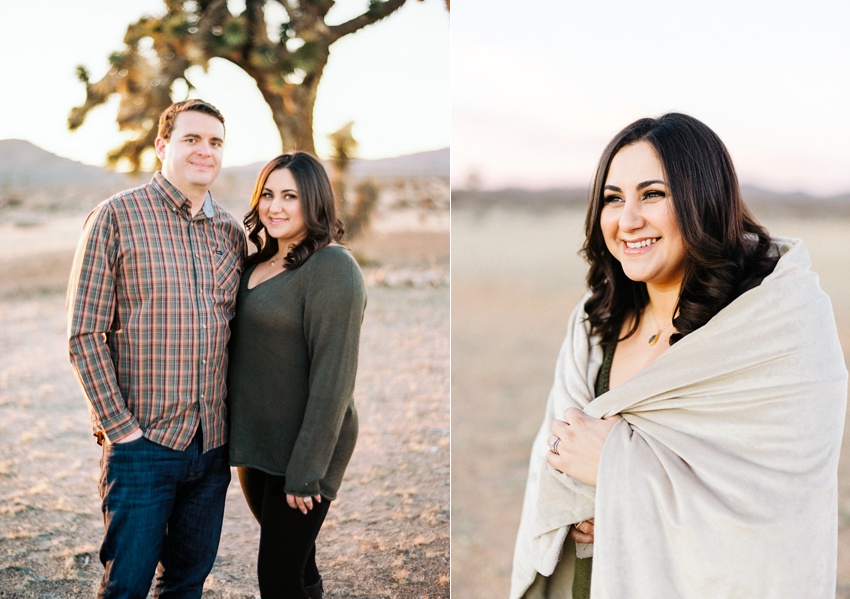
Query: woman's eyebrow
point(648, 183)
point(639, 186)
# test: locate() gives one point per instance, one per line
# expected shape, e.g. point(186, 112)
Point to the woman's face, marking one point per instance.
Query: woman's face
point(638, 220)
point(279, 208)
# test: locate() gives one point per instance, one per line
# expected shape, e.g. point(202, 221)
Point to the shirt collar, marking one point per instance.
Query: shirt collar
point(176, 199)
point(208, 209)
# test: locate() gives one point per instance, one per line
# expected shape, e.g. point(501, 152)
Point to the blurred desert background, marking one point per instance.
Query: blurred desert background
point(516, 276)
point(388, 533)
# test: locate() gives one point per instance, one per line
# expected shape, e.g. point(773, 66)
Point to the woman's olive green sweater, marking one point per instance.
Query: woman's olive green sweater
point(293, 361)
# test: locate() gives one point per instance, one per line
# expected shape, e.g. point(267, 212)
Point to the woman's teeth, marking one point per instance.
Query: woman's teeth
point(641, 244)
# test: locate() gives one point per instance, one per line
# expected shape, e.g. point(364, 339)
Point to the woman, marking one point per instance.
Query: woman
point(691, 438)
point(293, 361)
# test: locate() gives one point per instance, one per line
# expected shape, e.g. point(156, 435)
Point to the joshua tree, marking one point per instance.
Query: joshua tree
point(355, 215)
point(286, 60)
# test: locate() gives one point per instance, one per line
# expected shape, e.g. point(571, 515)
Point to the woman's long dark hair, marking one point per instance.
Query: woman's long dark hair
point(726, 251)
point(317, 208)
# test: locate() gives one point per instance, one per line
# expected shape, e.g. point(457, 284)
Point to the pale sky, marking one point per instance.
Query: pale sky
point(391, 79)
point(540, 87)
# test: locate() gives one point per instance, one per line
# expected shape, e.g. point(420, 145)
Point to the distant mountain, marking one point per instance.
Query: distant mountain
point(558, 198)
point(234, 185)
point(436, 163)
point(433, 163)
point(757, 195)
point(33, 178)
point(22, 162)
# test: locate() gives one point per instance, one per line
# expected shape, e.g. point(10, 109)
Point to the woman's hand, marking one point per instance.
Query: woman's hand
point(582, 532)
point(305, 504)
point(578, 451)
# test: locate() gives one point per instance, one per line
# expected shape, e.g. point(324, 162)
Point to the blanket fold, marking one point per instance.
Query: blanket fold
point(721, 479)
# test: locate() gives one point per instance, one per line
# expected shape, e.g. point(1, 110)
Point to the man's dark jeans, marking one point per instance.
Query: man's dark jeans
point(160, 506)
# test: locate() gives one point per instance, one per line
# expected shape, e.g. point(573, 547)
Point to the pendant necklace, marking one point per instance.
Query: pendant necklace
point(273, 260)
point(654, 339)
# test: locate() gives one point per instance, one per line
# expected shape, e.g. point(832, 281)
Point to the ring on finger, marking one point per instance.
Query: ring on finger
point(553, 444)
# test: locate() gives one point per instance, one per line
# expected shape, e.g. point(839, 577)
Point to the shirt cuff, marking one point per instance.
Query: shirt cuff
point(119, 427)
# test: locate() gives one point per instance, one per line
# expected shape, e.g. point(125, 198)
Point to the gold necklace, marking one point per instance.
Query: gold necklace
point(273, 260)
point(654, 339)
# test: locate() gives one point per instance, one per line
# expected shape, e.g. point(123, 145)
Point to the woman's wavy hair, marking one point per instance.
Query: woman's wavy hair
point(726, 251)
point(317, 208)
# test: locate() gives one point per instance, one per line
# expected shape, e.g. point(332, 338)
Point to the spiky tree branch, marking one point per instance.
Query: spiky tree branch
point(287, 65)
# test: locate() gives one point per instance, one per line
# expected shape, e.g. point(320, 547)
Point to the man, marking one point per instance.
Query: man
point(152, 290)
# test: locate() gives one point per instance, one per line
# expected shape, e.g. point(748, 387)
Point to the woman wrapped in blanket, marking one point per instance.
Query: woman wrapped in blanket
point(691, 438)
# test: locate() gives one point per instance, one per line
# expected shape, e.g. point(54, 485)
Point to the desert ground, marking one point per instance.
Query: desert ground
point(515, 278)
point(387, 535)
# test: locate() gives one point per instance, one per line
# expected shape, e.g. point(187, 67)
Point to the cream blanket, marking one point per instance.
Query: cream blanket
point(721, 479)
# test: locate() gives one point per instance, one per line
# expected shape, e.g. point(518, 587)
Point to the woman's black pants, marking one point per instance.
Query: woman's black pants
point(287, 558)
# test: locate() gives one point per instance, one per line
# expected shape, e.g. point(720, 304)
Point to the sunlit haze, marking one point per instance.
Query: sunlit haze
point(538, 90)
point(390, 78)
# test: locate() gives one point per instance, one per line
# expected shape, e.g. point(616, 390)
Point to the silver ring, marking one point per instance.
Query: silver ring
point(554, 444)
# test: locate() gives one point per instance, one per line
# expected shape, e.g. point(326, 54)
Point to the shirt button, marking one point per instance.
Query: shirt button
point(203, 361)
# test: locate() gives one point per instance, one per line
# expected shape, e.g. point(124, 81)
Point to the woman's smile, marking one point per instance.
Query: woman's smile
point(638, 245)
point(280, 208)
point(638, 220)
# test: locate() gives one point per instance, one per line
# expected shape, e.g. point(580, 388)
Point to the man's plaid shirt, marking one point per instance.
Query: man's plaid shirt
point(151, 295)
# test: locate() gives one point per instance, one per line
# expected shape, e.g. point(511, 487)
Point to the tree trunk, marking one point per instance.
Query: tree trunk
point(244, 42)
point(292, 109)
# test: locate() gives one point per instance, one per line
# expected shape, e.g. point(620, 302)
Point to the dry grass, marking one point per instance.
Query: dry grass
point(386, 536)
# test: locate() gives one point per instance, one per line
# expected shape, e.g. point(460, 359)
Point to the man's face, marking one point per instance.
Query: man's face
point(191, 159)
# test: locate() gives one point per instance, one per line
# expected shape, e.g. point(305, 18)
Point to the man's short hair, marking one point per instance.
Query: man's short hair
point(166, 119)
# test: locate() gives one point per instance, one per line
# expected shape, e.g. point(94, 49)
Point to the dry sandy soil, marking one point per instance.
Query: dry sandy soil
point(388, 533)
point(515, 279)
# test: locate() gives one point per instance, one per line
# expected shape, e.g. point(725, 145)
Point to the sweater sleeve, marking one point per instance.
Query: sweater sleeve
point(333, 313)
point(90, 306)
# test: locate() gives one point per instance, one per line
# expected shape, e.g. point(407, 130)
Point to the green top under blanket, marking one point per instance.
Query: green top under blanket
point(293, 361)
